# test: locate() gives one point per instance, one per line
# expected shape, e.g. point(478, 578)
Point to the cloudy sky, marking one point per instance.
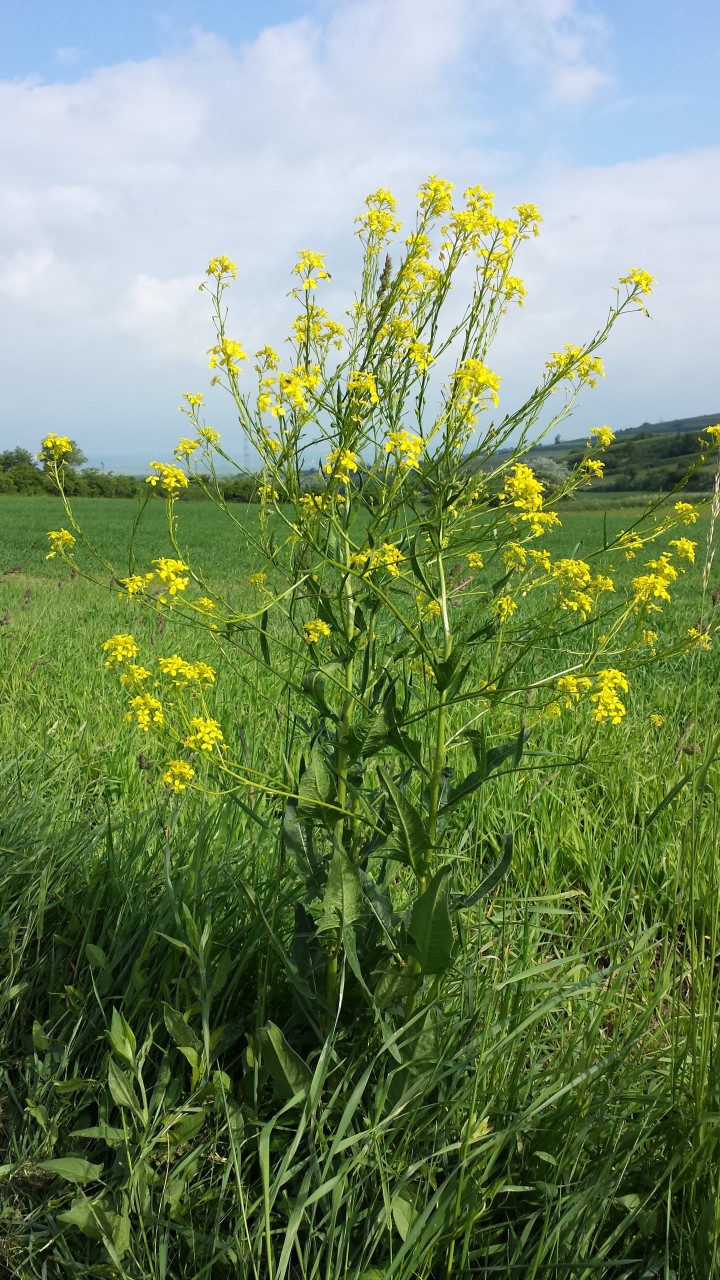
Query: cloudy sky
point(138, 141)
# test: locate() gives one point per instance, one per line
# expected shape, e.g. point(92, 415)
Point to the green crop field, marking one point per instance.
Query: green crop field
point(558, 1119)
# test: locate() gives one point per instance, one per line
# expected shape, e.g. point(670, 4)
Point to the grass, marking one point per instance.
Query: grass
point(555, 1116)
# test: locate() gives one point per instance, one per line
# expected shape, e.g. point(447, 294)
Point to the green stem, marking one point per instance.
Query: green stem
point(436, 774)
point(341, 769)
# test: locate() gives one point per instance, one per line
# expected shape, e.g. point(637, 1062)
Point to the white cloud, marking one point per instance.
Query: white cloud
point(119, 187)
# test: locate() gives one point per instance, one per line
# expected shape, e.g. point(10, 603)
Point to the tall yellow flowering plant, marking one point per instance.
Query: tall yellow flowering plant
point(403, 596)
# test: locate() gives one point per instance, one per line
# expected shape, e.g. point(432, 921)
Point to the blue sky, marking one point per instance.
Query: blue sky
point(136, 141)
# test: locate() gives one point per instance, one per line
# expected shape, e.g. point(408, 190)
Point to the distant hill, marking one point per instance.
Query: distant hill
point(655, 456)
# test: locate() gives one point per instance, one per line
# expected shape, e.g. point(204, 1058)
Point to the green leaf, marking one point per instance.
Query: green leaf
point(431, 927)
point(121, 1089)
point(291, 1076)
point(313, 686)
point(343, 898)
point(487, 885)
point(72, 1169)
point(180, 1033)
point(122, 1038)
point(41, 1040)
point(95, 955)
point(409, 841)
point(111, 1135)
point(264, 646)
point(316, 786)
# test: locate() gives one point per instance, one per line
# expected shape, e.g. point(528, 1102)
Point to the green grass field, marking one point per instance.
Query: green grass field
point(559, 1117)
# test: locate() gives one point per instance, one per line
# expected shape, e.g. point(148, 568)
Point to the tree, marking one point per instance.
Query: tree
point(12, 457)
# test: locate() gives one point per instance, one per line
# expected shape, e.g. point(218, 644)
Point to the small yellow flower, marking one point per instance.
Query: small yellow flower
point(220, 267)
point(315, 630)
point(592, 467)
point(638, 279)
point(193, 398)
point(205, 605)
point(603, 435)
point(475, 560)
point(657, 721)
point(136, 583)
point(713, 432)
point(699, 639)
point(174, 574)
point(608, 705)
point(134, 675)
point(208, 435)
point(571, 688)
point(687, 512)
point(120, 648)
point(146, 710)
point(55, 448)
point(171, 479)
point(177, 775)
point(226, 354)
point(61, 540)
point(389, 556)
point(685, 548)
point(185, 447)
point(504, 607)
point(257, 579)
point(205, 734)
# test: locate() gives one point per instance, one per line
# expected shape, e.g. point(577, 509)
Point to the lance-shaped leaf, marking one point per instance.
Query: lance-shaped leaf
point(290, 1075)
point(408, 841)
point(430, 926)
point(313, 686)
point(462, 901)
point(343, 898)
point(316, 787)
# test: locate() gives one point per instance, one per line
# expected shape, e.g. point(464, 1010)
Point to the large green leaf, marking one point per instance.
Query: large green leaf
point(121, 1089)
point(409, 841)
point(291, 1076)
point(430, 926)
point(343, 899)
point(72, 1169)
point(316, 787)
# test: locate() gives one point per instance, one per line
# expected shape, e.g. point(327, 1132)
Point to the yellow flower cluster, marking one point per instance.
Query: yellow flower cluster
point(573, 363)
point(657, 721)
point(364, 381)
point(379, 221)
point(220, 267)
point(608, 705)
point(185, 447)
point(638, 279)
point(55, 448)
point(590, 467)
point(475, 560)
point(504, 607)
point(61, 540)
point(120, 648)
point(136, 583)
point(419, 353)
point(389, 557)
point(654, 585)
point(525, 492)
point(315, 630)
point(146, 711)
point(174, 575)
point(630, 542)
point(315, 327)
point(475, 383)
point(603, 435)
point(571, 688)
point(407, 446)
point(686, 512)
point(515, 556)
point(685, 548)
point(225, 354)
point(435, 196)
point(257, 579)
point(182, 672)
point(208, 436)
point(171, 479)
point(700, 639)
point(578, 586)
point(193, 400)
point(267, 493)
point(134, 675)
point(205, 734)
point(340, 463)
point(177, 775)
point(307, 263)
point(714, 433)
